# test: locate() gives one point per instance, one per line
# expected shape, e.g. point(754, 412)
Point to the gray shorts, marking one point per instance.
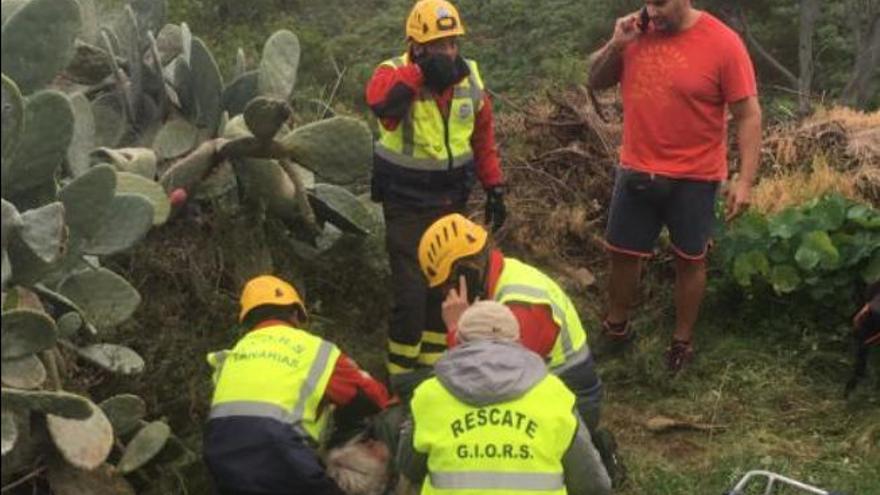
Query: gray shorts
point(642, 204)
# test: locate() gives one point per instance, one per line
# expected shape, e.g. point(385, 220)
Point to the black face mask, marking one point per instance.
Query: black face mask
point(441, 71)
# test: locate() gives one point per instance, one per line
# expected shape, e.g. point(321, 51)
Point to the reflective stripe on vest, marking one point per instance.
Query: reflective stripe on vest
point(526, 284)
point(442, 144)
point(276, 372)
point(514, 447)
point(497, 480)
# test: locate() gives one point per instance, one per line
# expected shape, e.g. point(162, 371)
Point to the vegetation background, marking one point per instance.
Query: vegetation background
point(766, 389)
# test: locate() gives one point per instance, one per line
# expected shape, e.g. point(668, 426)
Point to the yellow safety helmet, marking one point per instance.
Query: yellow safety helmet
point(430, 20)
point(266, 289)
point(446, 241)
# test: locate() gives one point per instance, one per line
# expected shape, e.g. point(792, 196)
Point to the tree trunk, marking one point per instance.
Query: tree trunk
point(736, 18)
point(809, 15)
point(864, 20)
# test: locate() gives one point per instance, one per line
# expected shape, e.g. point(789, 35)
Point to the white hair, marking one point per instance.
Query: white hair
point(360, 467)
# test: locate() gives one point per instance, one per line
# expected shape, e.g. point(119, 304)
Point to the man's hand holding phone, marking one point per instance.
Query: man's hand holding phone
point(630, 27)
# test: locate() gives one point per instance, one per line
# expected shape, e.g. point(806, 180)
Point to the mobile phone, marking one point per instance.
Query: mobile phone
point(644, 19)
point(473, 280)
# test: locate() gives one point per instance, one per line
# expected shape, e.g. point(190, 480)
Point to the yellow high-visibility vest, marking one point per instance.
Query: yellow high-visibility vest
point(277, 372)
point(427, 141)
point(524, 283)
point(513, 447)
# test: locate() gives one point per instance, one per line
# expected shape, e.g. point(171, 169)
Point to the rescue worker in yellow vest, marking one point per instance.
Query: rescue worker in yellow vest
point(274, 392)
point(494, 420)
point(436, 139)
point(457, 256)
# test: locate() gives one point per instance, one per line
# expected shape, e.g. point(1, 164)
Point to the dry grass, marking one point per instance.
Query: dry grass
point(796, 187)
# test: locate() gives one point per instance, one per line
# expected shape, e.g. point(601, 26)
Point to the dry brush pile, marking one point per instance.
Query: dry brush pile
point(561, 156)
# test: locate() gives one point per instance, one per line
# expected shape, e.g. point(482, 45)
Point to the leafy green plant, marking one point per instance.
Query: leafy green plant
point(823, 249)
point(103, 122)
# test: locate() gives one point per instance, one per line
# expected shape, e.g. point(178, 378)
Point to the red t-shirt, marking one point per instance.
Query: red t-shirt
point(675, 92)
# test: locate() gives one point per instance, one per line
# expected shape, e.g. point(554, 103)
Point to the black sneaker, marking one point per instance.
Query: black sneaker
point(614, 339)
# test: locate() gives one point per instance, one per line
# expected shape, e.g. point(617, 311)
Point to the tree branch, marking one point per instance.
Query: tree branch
point(739, 17)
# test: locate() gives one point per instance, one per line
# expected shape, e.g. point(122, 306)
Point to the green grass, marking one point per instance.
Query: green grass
point(777, 400)
point(773, 383)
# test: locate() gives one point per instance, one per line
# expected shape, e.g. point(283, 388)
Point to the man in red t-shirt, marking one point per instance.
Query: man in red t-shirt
point(680, 70)
point(436, 138)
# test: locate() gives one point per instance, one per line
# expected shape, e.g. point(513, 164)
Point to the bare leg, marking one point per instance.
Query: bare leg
point(622, 286)
point(690, 286)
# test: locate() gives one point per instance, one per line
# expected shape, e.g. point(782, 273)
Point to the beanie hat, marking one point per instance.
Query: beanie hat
point(488, 320)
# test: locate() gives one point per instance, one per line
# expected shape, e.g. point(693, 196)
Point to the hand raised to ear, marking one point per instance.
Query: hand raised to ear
point(455, 304)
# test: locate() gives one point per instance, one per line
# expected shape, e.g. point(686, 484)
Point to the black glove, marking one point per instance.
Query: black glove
point(496, 212)
point(439, 71)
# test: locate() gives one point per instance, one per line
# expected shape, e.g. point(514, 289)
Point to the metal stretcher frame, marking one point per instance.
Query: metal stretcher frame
point(773, 481)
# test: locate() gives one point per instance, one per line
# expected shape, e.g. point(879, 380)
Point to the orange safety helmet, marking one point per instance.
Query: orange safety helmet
point(266, 289)
point(446, 241)
point(430, 20)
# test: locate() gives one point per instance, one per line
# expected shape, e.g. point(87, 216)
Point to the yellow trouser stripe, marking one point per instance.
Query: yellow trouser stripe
point(434, 338)
point(396, 369)
point(410, 351)
point(429, 358)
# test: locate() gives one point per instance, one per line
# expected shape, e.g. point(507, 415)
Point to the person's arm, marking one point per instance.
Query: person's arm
point(350, 386)
point(485, 149)
point(538, 331)
point(391, 91)
point(747, 117)
point(606, 65)
point(583, 469)
point(413, 465)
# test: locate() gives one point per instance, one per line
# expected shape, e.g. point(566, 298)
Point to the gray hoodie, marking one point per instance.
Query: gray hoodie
point(485, 372)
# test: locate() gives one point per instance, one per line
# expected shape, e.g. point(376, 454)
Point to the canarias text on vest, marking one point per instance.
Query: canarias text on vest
point(494, 416)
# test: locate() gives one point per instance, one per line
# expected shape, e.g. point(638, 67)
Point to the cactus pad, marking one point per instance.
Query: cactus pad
point(240, 91)
point(26, 372)
point(207, 85)
point(13, 119)
point(83, 140)
point(124, 411)
point(141, 161)
point(90, 64)
point(44, 232)
point(65, 479)
point(113, 358)
point(123, 225)
point(9, 430)
point(25, 332)
point(187, 172)
point(150, 189)
point(341, 208)
point(85, 443)
point(176, 138)
point(144, 446)
point(279, 65)
point(110, 124)
point(37, 42)
point(69, 324)
point(87, 198)
point(265, 116)
point(105, 298)
point(48, 130)
point(339, 149)
point(60, 404)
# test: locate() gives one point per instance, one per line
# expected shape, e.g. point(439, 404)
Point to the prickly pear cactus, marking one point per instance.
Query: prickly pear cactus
point(32, 59)
point(89, 168)
point(66, 202)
